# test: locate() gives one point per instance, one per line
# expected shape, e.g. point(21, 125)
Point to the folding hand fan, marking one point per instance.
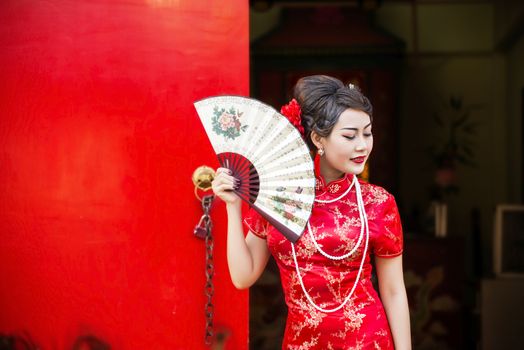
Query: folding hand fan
point(267, 154)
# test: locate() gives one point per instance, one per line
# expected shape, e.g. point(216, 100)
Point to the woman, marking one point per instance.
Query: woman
point(326, 274)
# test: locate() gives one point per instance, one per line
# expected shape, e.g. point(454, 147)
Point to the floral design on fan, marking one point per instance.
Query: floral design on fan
point(227, 123)
point(286, 207)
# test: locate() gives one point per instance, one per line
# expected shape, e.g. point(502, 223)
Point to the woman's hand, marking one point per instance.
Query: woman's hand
point(223, 186)
point(246, 256)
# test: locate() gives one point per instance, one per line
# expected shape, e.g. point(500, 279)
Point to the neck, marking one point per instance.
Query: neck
point(328, 173)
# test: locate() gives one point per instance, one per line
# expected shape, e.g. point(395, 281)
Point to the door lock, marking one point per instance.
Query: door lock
point(202, 178)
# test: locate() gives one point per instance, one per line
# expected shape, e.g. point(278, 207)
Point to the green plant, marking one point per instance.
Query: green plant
point(455, 130)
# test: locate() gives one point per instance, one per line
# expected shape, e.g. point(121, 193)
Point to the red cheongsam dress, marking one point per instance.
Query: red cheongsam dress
point(362, 322)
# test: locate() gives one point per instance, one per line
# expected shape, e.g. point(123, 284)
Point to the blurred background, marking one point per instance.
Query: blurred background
point(446, 79)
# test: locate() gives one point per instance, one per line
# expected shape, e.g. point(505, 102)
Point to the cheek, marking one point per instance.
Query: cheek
point(341, 149)
point(336, 152)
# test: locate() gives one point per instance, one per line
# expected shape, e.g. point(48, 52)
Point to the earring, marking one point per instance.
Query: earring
point(321, 152)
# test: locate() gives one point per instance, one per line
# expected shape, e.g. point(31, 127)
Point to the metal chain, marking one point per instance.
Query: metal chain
point(209, 289)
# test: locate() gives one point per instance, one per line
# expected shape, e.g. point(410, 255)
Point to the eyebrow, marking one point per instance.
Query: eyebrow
point(356, 129)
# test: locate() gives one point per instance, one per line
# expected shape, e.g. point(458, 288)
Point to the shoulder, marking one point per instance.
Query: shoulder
point(375, 194)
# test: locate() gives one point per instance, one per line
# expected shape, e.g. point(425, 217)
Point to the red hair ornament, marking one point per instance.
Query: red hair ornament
point(293, 113)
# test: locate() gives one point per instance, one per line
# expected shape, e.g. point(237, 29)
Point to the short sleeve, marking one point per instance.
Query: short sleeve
point(389, 241)
point(255, 223)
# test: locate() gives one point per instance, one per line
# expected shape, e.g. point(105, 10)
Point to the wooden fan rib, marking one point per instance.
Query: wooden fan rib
point(257, 141)
point(298, 178)
point(270, 211)
point(245, 172)
point(259, 118)
point(302, 202)
point(239, 165)
point(248, 193)
point(302, 192)
point(290, 235)
point(293, 176)
point(244, 196)
point(296, 163)
point(272, 145)
point(282, 156)
point(300, 188)
point(242, 166)
point(293, 166)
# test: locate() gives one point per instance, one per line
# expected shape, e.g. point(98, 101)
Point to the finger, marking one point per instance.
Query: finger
point(230, 181)
point(226, 187)
point(229, 186)
point(223, 178)
point(224, 171)
point(220, 176)
point(219, 184)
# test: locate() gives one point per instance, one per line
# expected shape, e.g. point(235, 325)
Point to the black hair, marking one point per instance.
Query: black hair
point(322, 100)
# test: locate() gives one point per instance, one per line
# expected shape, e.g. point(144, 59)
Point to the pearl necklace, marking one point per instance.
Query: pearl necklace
point(342, 195)
point(364, 221)
point(341, 257)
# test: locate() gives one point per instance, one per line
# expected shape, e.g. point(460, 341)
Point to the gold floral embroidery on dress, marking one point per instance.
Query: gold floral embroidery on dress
point(347, 230)
point(361, 323)
point(377, 195)
point(307, 345)
point(340, 234)
point(354, 318)
point(334, 188)
point(311, 316)
point(381, 333)
point(390, 217)
point(335, 286)
point(359, 345)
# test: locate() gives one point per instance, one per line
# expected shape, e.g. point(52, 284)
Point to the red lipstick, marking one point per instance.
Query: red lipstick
point(359, 159)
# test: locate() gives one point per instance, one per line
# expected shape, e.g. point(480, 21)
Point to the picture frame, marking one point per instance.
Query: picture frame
point(508, 241)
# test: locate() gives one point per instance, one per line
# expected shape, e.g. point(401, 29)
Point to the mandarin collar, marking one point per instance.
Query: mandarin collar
point(334, 187)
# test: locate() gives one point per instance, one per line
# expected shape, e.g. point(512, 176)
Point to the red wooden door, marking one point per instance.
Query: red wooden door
point(98, 141)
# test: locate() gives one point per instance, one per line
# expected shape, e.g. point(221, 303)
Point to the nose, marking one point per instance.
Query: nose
point(361, 144)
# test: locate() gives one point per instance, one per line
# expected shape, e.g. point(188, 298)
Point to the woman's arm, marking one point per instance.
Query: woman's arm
point(246, 256)
point(394, 299)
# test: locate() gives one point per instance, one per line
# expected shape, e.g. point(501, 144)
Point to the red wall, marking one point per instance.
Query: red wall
point(98, 141)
